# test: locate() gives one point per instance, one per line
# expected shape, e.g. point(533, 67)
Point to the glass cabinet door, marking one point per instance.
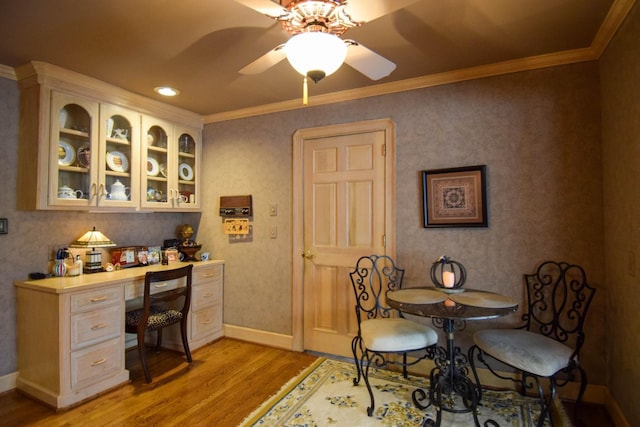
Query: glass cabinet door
point(188, 160)
point(72, 176)
point(160, 170)
point(119, 159)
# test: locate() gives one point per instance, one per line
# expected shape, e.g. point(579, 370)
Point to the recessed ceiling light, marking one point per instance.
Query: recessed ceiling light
point(166, 91)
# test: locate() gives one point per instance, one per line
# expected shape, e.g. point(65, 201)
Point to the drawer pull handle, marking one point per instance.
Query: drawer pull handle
point(98, 326)
point(99, 362)
point(161, 285)
point(99, 299)
point(207, 295)
point(206, 322)
point(209, 274)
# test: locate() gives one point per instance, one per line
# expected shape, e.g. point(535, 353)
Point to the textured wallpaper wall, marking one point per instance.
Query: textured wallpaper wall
point(620, 67)
point(539, 135)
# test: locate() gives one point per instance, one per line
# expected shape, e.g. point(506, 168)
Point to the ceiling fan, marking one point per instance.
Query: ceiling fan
point(316, 49)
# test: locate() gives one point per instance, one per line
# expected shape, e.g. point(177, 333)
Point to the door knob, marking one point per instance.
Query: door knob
point(307, 254)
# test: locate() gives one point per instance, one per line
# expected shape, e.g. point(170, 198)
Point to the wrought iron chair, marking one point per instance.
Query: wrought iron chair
point(548, 345)
point(159, 311)
point(381, 329)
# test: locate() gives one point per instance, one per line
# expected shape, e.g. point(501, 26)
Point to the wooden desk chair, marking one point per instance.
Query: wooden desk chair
point(381, 329)
point(548, 344)
point(160, 309)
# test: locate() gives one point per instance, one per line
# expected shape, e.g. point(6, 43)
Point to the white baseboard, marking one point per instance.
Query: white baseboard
point(8, 382)
point(257, 336)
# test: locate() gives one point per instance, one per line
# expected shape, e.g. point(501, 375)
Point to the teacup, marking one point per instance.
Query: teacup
point(66, 192)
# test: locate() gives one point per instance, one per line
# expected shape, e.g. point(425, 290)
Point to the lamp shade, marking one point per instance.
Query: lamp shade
point(315, 51)
point(92, 239)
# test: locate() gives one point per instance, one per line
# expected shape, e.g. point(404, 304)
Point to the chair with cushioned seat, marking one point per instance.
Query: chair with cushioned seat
point(161, 309)
point(548, 345)
point(381, 330)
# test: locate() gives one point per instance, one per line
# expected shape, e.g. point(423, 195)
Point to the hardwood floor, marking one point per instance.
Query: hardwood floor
point(226, 382)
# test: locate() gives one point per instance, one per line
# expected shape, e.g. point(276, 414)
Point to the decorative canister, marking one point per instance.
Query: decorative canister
point(60, 268)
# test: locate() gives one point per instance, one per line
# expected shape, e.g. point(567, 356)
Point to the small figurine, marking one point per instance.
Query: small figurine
point(188, 247)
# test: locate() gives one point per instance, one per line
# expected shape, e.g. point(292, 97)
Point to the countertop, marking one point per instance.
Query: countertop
point(60, 285)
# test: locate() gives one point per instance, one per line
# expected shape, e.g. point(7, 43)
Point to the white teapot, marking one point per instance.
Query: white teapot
point(118, 191)
point(66, 192)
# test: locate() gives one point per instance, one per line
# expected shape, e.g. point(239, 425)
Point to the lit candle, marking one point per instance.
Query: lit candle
point(448, 279)
point(449, 303)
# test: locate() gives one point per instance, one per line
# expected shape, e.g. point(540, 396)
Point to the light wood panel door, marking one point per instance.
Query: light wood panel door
point(346, 215)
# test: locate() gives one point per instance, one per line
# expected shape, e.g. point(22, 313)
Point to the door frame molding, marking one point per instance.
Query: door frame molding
point(299, 137)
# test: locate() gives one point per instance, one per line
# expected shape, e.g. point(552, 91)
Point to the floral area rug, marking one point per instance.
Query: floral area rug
point(324, 395)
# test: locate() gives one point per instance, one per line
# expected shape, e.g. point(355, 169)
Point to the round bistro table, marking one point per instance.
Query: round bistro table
point(450, 387)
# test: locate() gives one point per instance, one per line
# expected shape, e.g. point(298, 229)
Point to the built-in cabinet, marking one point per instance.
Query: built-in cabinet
point(71, 337)
point(89, 146)
point(172, 155)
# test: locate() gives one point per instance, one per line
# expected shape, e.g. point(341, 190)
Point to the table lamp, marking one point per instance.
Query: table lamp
point(93, 239)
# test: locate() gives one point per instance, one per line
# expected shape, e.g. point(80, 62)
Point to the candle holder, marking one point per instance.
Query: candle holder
point(448, 275)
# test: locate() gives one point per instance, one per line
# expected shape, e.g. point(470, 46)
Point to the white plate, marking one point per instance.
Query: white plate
point(117, 161)
point(153, 169)
point(185, 172)
point(66, 154)
point(163, 169)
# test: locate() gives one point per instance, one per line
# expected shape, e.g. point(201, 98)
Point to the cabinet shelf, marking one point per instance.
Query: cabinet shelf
point(118, 141)
point(118, 174)
point(187, 155)
point(76, 169)
point(73, 132)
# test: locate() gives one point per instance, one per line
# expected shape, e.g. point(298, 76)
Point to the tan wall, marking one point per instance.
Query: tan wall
point(539, 135)
point(619, 70)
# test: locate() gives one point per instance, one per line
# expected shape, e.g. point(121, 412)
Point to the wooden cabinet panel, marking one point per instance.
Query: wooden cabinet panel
point(96, 298)
point(96, 326)
point(96, 362)
point(206, 322)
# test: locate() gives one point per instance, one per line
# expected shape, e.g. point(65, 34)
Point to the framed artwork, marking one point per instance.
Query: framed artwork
point(455, 197)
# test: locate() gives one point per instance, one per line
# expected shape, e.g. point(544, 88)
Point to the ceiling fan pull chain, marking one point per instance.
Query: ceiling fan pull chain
point(305, 91)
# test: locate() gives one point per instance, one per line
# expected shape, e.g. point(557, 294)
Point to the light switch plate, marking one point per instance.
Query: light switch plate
point(4, 226)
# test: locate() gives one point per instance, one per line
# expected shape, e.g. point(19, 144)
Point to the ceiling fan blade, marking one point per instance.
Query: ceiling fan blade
point(267, 7)
point(265, 62)
point(367, 61)
point(368, 10)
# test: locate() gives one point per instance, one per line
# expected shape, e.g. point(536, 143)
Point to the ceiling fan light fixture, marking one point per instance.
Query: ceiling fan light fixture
point(315, 52)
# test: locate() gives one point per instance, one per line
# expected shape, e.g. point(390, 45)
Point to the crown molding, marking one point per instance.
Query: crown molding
point(7, 72)
point(617, 13)
point(506, 67)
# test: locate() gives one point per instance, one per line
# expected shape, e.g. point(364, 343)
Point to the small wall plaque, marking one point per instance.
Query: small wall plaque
point(236, 206)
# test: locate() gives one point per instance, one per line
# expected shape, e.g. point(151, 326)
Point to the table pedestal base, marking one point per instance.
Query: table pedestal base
point(450, 388)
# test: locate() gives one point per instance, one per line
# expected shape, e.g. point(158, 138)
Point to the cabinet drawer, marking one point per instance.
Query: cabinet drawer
point(92, 364)
point(207, 274)
point(95, 326)
point(206, 321)
point(207, 294)
point(136, 289)
point(96, 298)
